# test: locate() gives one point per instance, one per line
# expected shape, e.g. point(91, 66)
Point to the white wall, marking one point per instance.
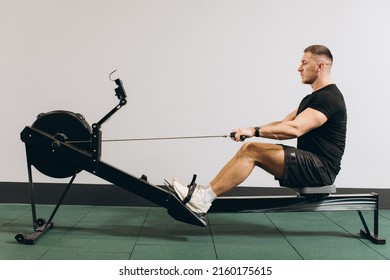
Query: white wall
point(191, 67)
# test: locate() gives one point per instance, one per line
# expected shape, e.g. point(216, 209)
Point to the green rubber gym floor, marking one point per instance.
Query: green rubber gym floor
point(149, 233)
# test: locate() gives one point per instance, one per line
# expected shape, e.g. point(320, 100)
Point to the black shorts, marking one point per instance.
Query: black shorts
point(303, 169)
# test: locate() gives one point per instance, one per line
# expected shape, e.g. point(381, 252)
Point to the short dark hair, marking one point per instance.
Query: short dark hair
point(319, 50)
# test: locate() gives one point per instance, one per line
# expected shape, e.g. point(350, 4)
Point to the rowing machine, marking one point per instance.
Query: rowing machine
point(60, 144)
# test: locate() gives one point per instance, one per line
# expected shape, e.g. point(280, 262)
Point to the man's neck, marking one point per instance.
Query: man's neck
point(318, 84)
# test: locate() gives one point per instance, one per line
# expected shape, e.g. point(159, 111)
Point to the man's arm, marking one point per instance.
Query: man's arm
point(287, 118)
point(306, 121)
point(292, 126)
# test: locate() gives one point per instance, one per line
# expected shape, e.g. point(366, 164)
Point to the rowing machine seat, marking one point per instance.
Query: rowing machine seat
point(316, 191)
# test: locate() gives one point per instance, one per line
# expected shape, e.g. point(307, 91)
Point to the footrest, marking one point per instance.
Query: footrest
point(178, 209)
point(182, 213)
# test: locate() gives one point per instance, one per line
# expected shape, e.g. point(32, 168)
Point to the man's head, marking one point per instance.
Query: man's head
point(320, 50)
point(315, 65)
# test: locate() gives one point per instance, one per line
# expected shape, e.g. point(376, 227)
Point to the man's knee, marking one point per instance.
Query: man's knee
point(261, 152)
point(246, 149)
point(252, 149)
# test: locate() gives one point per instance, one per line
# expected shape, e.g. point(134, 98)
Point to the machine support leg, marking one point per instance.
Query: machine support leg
point(61, 199)
point(374, 238)
point(376, 217)
point(32, 194)
point(40, 226)
point(367, 230)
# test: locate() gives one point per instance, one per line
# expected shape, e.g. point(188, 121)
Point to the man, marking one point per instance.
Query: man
point(319, 124)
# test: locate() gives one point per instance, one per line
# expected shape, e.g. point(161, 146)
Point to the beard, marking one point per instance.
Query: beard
point(309, 79)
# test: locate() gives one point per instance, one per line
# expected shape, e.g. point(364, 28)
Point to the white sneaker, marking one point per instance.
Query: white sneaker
point(197, 202)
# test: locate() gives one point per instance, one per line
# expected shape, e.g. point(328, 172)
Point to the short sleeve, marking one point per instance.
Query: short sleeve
point(325, 103)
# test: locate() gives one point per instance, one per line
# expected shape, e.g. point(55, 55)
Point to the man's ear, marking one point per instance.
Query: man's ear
point(321, 66)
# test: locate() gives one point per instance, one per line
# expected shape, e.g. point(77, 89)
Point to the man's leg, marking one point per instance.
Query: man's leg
point(269, 157)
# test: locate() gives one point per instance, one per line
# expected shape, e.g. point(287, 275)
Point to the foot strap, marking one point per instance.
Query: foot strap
point(191, 188)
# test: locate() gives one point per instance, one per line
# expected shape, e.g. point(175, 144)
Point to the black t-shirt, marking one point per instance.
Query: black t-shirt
point(328, 140)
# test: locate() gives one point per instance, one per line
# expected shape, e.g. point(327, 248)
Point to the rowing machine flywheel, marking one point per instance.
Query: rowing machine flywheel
point(64, 126)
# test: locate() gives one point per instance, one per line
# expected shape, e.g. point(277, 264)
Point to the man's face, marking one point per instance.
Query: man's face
point(309, 68)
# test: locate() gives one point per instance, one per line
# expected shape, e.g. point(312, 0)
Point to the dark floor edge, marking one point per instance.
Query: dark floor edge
point(111, 195)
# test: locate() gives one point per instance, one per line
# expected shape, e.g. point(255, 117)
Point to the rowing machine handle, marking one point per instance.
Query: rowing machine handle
point(242, 137)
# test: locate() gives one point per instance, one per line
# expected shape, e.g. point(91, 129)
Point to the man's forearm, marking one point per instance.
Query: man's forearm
point(278, 131)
